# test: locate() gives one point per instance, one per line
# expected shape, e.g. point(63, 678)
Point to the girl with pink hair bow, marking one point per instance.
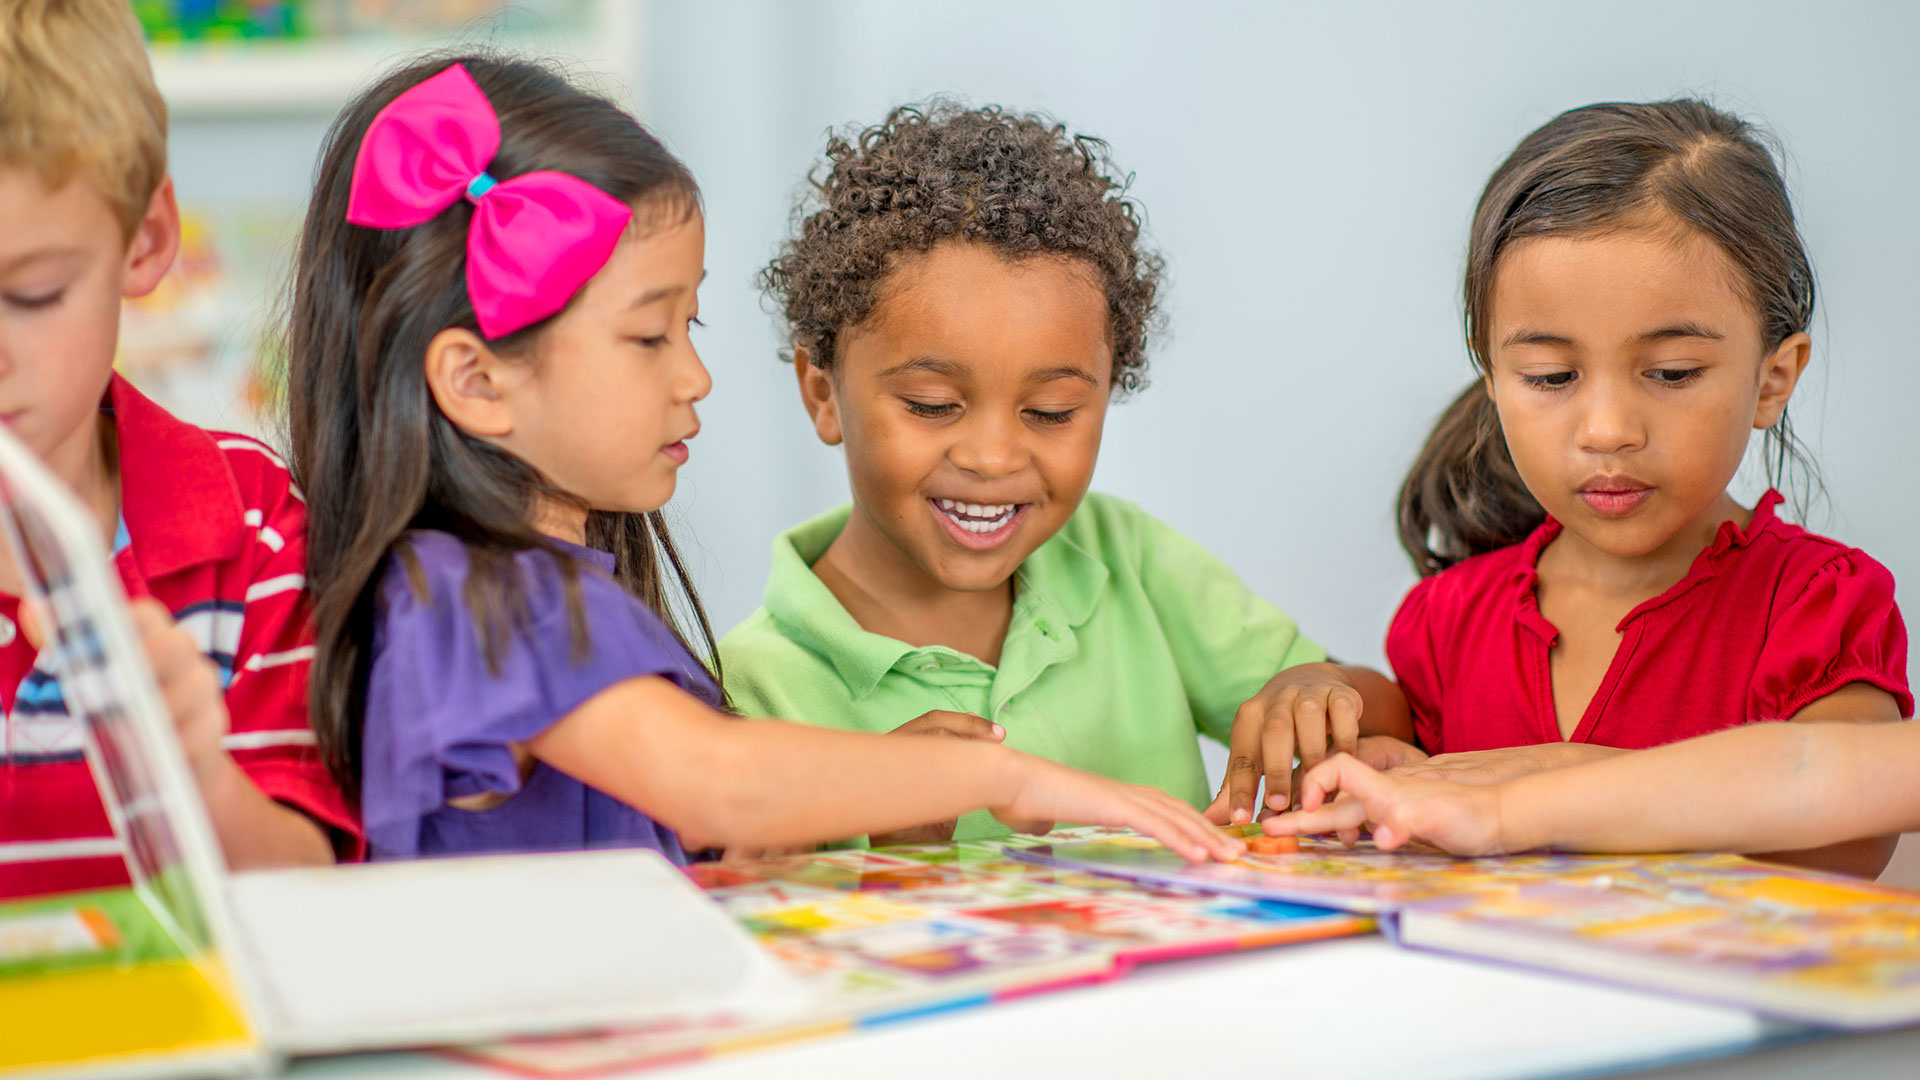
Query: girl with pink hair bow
point(492, 392)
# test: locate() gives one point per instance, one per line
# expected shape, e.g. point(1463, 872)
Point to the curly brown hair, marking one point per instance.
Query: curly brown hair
point(931, 173)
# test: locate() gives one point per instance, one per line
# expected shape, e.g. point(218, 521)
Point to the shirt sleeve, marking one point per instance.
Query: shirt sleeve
point(1410, 653)
point(268, 735)
point(1227, 640)
point(442, 720)
point(1842, 628)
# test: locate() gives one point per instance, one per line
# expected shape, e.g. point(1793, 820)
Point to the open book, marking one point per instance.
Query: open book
point(895, 933)
point(1796, 944)
point(191, 970)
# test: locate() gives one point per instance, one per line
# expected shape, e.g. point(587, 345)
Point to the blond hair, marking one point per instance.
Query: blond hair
point(77, 100)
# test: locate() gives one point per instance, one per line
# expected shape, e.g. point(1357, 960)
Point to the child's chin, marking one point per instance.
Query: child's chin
point(979, 571)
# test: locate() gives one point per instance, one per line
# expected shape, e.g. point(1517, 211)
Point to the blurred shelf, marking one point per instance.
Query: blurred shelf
point(316, 77)
point(265, 78)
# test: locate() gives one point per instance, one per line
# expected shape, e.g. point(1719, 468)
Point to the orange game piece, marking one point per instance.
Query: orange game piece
point(1273, 845)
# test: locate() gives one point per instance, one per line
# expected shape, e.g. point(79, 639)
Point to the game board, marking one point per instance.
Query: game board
point(1801, 945)
point(1361, 879)
point(896, 933)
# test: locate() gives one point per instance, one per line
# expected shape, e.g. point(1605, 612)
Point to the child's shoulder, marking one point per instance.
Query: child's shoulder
point(191, 495)
point(1114, 528)
point(430, 569)
point(1479, 574)
point(256, 467)
point(1791, 557)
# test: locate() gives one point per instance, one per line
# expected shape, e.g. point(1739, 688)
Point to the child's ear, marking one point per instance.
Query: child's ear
point(1779, 373)
point(156, 240)
point(819, 394)
point(469, 382)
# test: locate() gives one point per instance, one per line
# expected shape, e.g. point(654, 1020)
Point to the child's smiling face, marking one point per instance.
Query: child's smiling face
point(1629, 373)
point(971, 403)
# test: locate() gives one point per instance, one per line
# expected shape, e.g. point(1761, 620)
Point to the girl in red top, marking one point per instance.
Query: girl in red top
point(1637, 303)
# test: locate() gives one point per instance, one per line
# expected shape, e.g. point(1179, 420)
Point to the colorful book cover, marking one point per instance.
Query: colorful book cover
point(96, 982)
point(1796, 944)
point(897, 933)
point(1803, 946)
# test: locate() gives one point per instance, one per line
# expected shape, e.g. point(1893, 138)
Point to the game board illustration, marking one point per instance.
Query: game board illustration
point(1797, 944)
point(1325, 872)
point(895, 933)
point(1804, 946)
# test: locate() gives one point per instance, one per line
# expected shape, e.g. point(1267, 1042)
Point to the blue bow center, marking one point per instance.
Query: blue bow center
point(478, 187)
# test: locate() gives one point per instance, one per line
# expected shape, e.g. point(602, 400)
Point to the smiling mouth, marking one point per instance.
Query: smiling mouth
point(978, 518)
point(978, 526)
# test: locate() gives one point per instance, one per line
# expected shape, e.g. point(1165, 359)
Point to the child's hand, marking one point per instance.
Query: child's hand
point(189, 683)
point(1384, 752)
point(954, 725)
point(1304, 709)
point(1344, 794)
point(1048, 792)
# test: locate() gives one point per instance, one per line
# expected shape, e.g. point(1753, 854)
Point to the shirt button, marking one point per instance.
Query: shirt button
point(931, 665)
point(1045, 630)
point(7, 631)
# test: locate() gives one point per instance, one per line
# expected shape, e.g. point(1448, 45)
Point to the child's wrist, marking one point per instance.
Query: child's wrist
point(213, 773)
point(1517, 826)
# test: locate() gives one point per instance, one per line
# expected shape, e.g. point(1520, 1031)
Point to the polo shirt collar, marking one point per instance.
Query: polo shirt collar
point(1060, 580)
point(178, 496)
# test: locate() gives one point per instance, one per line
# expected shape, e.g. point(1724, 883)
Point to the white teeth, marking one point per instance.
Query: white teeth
point(979, 518)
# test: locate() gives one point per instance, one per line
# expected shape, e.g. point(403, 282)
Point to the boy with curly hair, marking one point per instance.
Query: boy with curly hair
point(207, 530)
point(967, 291)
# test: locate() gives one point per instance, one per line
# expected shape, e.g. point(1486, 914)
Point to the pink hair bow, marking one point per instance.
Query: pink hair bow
point(535, 239)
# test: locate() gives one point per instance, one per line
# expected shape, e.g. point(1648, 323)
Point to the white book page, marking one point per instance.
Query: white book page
point(455, 950)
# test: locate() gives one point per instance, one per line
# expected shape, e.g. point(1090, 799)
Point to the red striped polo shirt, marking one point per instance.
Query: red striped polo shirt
point(215, 530)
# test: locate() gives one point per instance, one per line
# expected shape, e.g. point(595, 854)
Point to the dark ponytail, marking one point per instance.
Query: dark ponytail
point(1609, 166)
point(1463, 495)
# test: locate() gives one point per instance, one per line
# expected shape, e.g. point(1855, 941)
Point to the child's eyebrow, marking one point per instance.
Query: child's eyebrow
point(1064, 371)
point(654, 296)
point(1535, 337)
point(930, 364)
point(1665, 333)
point(1683, 330)
point(40, 255)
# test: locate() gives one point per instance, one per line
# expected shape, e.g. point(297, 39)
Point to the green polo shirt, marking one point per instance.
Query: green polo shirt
point(1127, 638)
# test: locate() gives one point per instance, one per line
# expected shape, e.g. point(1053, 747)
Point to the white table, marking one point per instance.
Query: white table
point(1350, 1008)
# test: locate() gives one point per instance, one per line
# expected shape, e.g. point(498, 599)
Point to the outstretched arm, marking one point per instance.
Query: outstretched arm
point(1765, 787)
point(724, 781)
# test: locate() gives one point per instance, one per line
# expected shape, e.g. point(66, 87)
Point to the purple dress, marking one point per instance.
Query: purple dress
point(440, 725)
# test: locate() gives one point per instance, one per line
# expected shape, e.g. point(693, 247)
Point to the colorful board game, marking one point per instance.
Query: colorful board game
point(891, 934)
point(1361, 879)
point(1801, 945)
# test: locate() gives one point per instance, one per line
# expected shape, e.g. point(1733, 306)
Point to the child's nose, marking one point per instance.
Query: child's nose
point(1611, 424)
point(695, 381)
point(988, 446)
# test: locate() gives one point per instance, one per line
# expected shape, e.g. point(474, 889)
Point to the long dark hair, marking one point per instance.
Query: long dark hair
point(373, 453)
point(1587, 170)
